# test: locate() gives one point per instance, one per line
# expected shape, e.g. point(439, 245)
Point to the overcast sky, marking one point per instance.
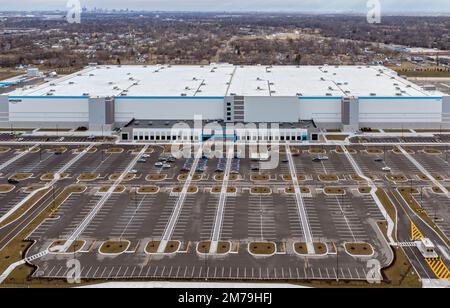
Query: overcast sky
point(417, 6)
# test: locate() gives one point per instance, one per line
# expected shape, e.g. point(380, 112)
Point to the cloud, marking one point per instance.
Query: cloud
point(237, 5)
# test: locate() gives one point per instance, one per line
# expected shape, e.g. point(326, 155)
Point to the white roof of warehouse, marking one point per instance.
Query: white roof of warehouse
point(217, 80)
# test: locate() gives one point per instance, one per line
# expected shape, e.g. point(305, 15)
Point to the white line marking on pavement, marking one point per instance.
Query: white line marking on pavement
point(300, 204)
point(223, 197)
point(178, 206)
point(87, 220)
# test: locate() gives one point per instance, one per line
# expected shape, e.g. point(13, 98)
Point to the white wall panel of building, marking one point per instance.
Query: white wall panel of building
point(321, 109)
point(271, 109)
point(176, 108)
point(48, 109)
point(403, 110)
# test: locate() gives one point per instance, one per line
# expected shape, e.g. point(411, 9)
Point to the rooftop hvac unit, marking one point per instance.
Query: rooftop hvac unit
point(111, 83)
point(123, 94)
point(322, 79)
point(85, 94)
point(91, 75)
point(373, 94)
point(79, 74)
point(71, 82)
point(187, 88)
point(128, 74)
point(330, 88)
point(258, 88)
point(52, 84)
point(257, 78)
point(378, 75)
point(108, 68)
point(167, 123)
point(271, 83)
point(328, 94)
point(299, 94)
point(131, 78)
point(398, 94)
point(194, 78)
point(183, 94)
point(150, 123)
point(136, 83)
point(273, 92)
point(49, 94)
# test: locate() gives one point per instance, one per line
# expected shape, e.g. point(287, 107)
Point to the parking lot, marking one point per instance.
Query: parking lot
point(165, 198)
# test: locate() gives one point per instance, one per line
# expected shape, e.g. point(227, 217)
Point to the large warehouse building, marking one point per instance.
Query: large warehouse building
point(106, 97)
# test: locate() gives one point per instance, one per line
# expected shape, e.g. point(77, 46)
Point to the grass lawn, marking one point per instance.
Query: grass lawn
point(155, 177)
point(6, 188)
point(262, 190)
point(262, 248)
point(359, 249)
point(334, 191)
point(328, 177)
point(114, 247)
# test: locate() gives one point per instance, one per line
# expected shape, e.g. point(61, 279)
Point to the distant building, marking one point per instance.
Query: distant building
point(349, 97)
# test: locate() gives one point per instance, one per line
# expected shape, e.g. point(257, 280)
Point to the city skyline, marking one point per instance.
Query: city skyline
point(318, 6)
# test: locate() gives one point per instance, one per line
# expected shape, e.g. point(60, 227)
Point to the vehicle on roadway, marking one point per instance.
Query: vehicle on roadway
point(386, 169)
point(320, 158)
point(379, 159)
point(13, 181)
